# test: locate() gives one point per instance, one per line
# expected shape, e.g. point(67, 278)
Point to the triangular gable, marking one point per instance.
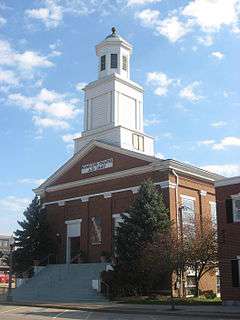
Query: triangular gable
point(96, 154)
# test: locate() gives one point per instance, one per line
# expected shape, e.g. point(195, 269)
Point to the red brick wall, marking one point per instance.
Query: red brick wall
point(229, 242)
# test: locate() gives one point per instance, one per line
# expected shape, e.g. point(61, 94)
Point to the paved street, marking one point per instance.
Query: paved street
point(38, 313)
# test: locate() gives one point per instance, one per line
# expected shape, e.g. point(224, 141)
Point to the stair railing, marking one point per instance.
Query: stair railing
point(105, 289)
point(29, 272)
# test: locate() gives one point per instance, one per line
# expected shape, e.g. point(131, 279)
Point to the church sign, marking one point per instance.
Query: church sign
point(96, 166)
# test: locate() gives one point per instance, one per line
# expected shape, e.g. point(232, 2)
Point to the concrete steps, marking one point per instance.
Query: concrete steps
point(62, 283)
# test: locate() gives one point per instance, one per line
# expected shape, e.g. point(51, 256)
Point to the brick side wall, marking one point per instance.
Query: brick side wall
point(229, 242)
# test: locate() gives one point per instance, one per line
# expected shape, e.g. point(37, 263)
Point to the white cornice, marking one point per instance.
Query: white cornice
point(227, 181)
point(106, 194)
point(115, 77)
point(101, 178)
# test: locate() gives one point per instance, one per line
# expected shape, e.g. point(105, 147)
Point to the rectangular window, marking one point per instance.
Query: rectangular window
point(188, 214)
point(213, 211)
point(236, 210)
point(96, 231)
point(125, 63)
point(103, 63)
point(138, 142)
point(114, 63)
point(190, 285)
point(235, 272)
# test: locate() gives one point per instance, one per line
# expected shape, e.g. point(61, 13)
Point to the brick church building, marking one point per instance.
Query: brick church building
point(85, 197)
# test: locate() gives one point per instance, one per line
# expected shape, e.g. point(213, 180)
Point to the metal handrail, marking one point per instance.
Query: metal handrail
point(108, 288)
point(75, 257)
point(31, 268)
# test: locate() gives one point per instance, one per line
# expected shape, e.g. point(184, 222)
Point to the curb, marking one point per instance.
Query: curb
point(177, 312)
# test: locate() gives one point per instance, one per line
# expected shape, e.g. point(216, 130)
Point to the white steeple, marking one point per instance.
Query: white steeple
point(113, 110)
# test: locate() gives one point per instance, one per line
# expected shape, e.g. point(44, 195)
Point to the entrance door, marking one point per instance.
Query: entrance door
point(73, 238)
point(74, 248)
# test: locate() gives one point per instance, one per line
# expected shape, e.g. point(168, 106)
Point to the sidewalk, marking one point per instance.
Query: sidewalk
point(111, 307)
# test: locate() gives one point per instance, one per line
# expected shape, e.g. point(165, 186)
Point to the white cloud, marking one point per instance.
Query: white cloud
point(219, 124)
point(51, 14)
point(12, 208)
point(68, 138)
point(80, 85)
point(47, 102)
point(227, 142)
point(189, 92)
point(217, 54)
point(141, 2)
point(31, 59)
point(172, 28)
point(8, 77)
point(151, 122)
point(206, 40)
point(211, 15)
point(148, 17)
point(31, 181)
point(27, 60)
point(227, 93)
point(159, 155)
point(2, 21)
point(206, 142)
point(50, 123)
point(13, 204)
point(228, 170)
point(160, 81)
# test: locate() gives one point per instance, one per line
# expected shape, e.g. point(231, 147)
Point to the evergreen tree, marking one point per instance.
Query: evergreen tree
point(147, 217)
point(32, 240)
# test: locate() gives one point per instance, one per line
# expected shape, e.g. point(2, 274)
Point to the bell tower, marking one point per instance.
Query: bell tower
point(113, 108)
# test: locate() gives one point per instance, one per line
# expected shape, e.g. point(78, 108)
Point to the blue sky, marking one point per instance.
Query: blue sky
point(186, 55)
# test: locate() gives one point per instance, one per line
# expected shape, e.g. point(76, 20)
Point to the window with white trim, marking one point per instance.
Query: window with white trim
point(213, 212)
point(188, 214)
point(236, 209)
point(190, 285)
point(138, 142)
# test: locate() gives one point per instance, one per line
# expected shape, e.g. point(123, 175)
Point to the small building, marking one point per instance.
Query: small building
point(85, 198)
point(228, 217)
point(5, 243)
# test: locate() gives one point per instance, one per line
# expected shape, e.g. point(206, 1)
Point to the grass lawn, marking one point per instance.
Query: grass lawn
point(167, 300)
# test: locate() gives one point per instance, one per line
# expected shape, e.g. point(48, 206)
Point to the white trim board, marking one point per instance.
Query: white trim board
point(85, 198)
point(187, 197)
